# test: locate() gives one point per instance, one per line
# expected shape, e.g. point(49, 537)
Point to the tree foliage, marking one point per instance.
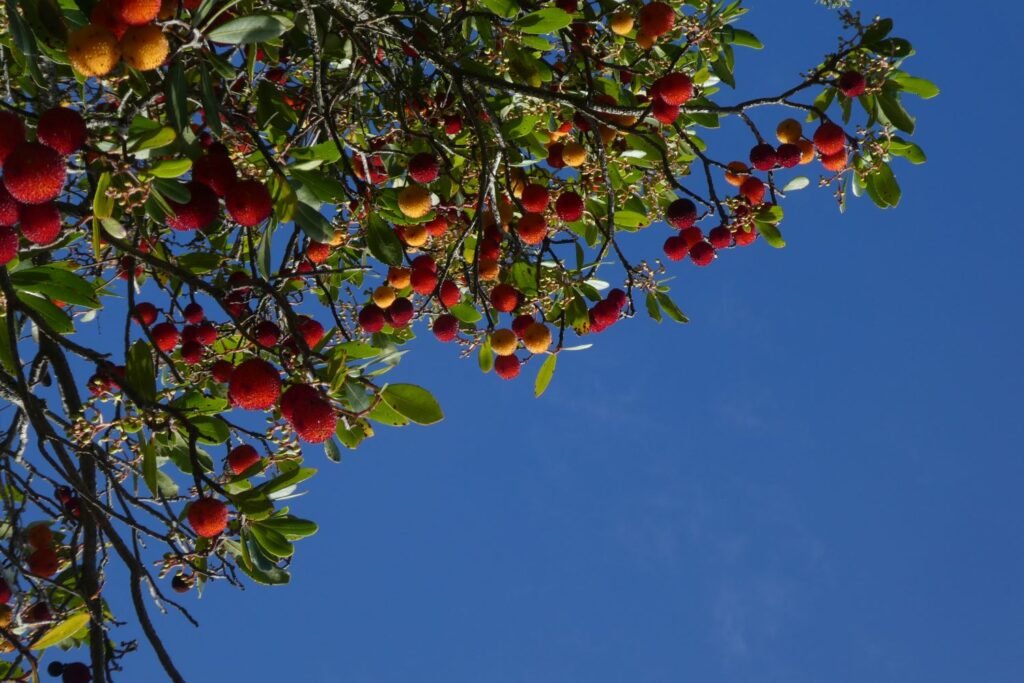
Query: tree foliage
point(222, 221)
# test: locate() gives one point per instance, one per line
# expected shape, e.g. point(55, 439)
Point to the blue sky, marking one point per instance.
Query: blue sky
point(816, 480)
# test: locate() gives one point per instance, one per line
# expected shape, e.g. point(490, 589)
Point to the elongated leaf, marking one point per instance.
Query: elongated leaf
point(50, 313)
point(544, 375)
point(544, 21)
point(670, 308)
point(62, 631)
point(415, 403)
point(313, 223)
point(253, 29)
point(140, 371)
point(383, 242)
point(56, 283)
point(771, 234)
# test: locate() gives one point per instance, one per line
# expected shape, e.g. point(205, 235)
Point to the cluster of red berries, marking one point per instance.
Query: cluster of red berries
point(33, 176)
point(214, 177)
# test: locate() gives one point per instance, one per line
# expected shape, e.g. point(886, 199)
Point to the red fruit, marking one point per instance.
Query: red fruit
point(136, 12)
point(8, 245)
point(449, 294)
point(490, 249)
point(535, 198)
point(520, 323)
point(453, 124)
point(606, 313)
point(371, 318)
point(682, 213)
point(424, 262)
point(192, 352)
point(400, 312)
point(437, 226)
point(532, 228)
point(555, 155)
point(569, 207)
point(504, 298)
point(310, 330)
point(215, 170)
point(267, 334)
point(62, 130)
point(852, 83)
point(446, 326)
point(310, 415)
point(753, 189)
point(222, 371)
point(43, 562)
point(198, 213)
point(255, 385)
point(566, 5)
point(10, 209)
point(657, 18)
point(5, 591)
point(788, 155)
point(76, 672)
point(208, 517)
point(144, 313)
point(675, 248)
point(194, 313)
point(12, 134)
point(40, 223)
point(37, 613)
point(423, 281)
point(835, 162)
point(34, 173)
point(617, 298)
point(424, 167)
point(507, 367)
point(206, 333)
point(744, 238)
point(828, 139)
point(243, 457)
point(673, 89)
point(720, 237)
point(664, 112)
point(378, 173)
point(702, 253)
point(763, 157)
point(165, 336)
point(248, 202)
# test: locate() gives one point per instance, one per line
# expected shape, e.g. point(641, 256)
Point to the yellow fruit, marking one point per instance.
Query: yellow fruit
point(621, 23)
point(506, 210)
point(93, 50)
point(489, 270)
point(737, 173)
point(338, 238)
point(645, 40)
point(415, 235)
point(537, 338)
point(806, 151)
point(384, 296)
point(789, 131)
point(574, 154)
point(518, 182)
point(5, 616)
point(414, 201)
point(607, 134)
point(399, 278)
point(144, 47)
point(503, 342)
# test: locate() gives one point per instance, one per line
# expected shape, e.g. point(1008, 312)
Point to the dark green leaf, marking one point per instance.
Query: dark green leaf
point(383, 242)
point(56, 283)
point(313, 223)
point(543, 21)
point(140, 371)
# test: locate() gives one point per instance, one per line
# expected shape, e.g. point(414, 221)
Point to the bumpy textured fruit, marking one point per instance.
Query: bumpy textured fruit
point(384, 296)
point(144, 313)
point(621, 23)
point(192, 352)
point(852, 83)
point(532, 228)
point(446, 327)
point(222, 371)
point(93, 50)
point(248, 202)
point(208, 517)
point(424, 167)
point(39, 535)
point(618, 298)
point(399, 313)
point(10, 209)
point(310, 414)
point(806, 151)
point(413, 235)
point(789, 131)
point(371, 318)
point(216, 171)
point(310, 330)
point(104, 13)
point(8, 245)
point(674, 89)
point(835, 162)
point(753, 189)
point(242, 458)
point(736, 173)
point(165, 336)
point(535, 198)
point(675, 248)
point(414, 201)
point(504, 298)
point(537, 338)
point(423, 281)
point(198, 213)
point(682, 213)
point(664, 112)
point(40, 223)
point(34, 173)
point(744, 238)
point(507, 367)
point(789, 155)
point(504, 342)
point(569, 207)
point(61, 129)
point(12, 134)
point(144, 47)
point(828, 139)
point(317, 252)
point(645, 40)
point(720, 237)
point(574, 154)
point(657, 18)
point(763, 157)
point(702, 253)
point(255, 385)
point(43, 562)
point(194, 313)
point(136, 12)
point(267, 334)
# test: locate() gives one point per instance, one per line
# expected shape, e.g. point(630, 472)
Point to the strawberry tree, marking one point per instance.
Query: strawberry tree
point(221, 223)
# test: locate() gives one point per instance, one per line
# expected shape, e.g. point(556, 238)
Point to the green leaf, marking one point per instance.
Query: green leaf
point(177, 98)
point(252, 29)
point(544, 375)
point(503, 8)
point(883, 188)
point(272, 541)
point(51, 314)
point(485, 357)
point(169, 168)
point(319, 185)
point(908, 150)
point(291, 528)
point(285, 480)
point(771, 234)
point(149, 469)
point(670, 307)
point(332, 450)
point(921, 87)
point(173, 190)
point(415, 403)
point(383, 242)
point(543, 21)
point(894, 111)
point(738, 36)
point(102, 205)
point(211, 429)
point(140, 371)
point(62, 631)
point(653, 309)
point(313, 223)
point(465, 313)
point(798, 183)
point(152, 139)
point(56, 283)
point(6, 347)
point(209, 99)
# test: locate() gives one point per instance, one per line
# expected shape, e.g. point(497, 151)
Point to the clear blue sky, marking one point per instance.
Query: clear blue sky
point(818, 479)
